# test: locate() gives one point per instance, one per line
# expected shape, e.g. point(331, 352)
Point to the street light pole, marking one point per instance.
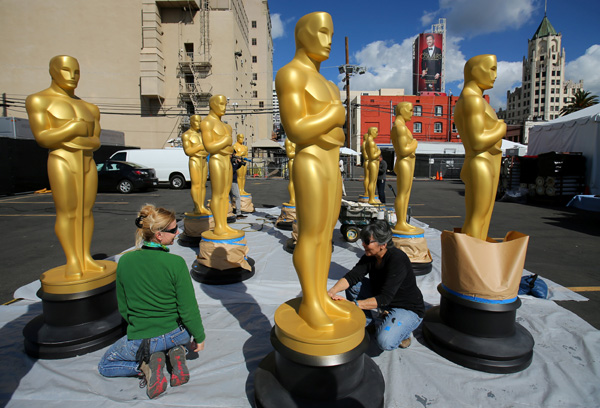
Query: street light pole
point(348, 118)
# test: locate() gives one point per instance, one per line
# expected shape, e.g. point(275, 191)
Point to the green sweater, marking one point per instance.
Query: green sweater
point(155, 291)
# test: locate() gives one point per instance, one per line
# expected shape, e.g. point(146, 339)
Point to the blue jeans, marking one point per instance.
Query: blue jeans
point(119, 360)
point(391, 328)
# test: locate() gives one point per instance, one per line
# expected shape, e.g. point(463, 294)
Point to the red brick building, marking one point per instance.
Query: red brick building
point(432, 119)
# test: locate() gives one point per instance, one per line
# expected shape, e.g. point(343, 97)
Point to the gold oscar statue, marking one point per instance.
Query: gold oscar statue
point(481, 133)
point(475, 324)
point(217, 140)
point(405, 146)
point(70, 128)
point(290, 151)
point(313, 115)
point(365, 159)
point(193, 147)
point(241, 150)
point(373, 153)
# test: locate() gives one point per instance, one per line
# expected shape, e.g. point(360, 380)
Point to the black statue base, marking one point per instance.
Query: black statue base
point(290, 245)
point(189, 242)
point(213, 276)
point(74, 324)
point(480, 336)
point(284, 225)
point(422, 268)
point(286, 378)
point(231, 219)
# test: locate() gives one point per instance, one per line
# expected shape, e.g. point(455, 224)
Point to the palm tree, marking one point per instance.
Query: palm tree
point(582, 99)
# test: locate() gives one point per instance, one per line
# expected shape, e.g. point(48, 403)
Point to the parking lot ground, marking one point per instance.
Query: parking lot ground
point(563, 245)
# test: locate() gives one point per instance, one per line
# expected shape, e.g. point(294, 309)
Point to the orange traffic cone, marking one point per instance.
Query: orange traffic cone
point(437, 175)
point(441, 178)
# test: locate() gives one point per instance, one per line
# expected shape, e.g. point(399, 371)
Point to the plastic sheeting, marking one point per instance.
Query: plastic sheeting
point(565, 371)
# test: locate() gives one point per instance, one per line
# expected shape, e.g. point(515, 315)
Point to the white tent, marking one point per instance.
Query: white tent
point(577, 132)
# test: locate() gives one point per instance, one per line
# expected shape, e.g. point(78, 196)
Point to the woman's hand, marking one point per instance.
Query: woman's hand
point(197, 347)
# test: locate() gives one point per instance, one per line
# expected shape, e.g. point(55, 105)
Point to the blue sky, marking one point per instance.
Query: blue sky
point(380, 36)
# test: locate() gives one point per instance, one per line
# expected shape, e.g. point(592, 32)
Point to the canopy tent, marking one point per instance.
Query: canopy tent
point(577, 132)
point(346, 151)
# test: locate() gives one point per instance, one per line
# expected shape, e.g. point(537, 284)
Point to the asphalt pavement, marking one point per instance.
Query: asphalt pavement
point(563, 245)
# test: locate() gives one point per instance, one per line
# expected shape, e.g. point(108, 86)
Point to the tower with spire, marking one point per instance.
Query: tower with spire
point(544, 90)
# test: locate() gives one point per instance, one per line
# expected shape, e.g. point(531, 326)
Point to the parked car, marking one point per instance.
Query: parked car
point(125, 177)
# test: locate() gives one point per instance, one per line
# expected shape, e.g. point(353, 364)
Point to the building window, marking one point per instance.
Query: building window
point(254, 76)
point(254, 41)
point(261, 104)
point(255, 94)
point(437, 127)
point(417, 127)
point(438, 110)
point(417, 111)
point(254, 58)
point(253, 23)
point(454, 130)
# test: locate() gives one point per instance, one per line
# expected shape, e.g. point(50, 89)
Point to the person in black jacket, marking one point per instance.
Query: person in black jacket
point(381, 177)
point(390, 298)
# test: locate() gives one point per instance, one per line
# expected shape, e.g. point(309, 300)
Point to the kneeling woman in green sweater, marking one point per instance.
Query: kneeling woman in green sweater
point(156, 299)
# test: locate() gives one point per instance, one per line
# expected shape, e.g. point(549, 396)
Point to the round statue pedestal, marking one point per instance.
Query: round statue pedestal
point(286, 378)
point(193, 227)
point(222, 261)
point(415, 247)
point(287, 217)
point(480, 336)
point(74, 324)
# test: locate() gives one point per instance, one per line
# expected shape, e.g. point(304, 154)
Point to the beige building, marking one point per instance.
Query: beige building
point(147, 64)
point(544, 90)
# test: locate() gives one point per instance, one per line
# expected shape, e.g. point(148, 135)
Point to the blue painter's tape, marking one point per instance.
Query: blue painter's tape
point(234, 241)
point(478, 299)
point(399, 323)
point(409, 236)
point(387, 328)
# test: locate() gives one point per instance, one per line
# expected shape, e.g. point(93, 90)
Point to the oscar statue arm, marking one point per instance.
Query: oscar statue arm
point(479, 138)
point(213, 143)
point(303, 127)
point(39, 121)
point(190, 148)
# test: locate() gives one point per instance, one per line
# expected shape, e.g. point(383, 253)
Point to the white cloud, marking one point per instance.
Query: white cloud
point(277, 26)
point(509, 77)
point(470, 18)
point(586, 68)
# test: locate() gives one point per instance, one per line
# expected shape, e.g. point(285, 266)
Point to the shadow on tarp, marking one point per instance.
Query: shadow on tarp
point(16, 362)
point(250, 317)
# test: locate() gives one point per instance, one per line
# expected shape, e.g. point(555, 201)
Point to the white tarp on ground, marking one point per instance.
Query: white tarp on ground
point(565, 371)
point(577, 132)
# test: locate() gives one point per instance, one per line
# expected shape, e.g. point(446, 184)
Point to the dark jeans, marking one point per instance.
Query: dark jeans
point(381, 190)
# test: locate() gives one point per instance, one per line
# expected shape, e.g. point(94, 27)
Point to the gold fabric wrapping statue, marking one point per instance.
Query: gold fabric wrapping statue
point(313, 115)
point(70, 128)
point(373, 153)
point(217, 140)
point(290, 151)
point(242, 151)
point(193, 147)
point(405, 146)
point(481, 133)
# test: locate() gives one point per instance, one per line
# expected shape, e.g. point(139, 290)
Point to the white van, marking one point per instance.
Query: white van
point(171, 165)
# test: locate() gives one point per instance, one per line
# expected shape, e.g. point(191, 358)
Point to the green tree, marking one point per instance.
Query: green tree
point(582, 99)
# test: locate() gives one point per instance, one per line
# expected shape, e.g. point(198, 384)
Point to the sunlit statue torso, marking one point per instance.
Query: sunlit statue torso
point(373, 153)
point(217, 140)
point(405, 147)
point(365, 162)
point(481, 133)
point(193, 147)
point(241, 150)
point(290, 151)
point(313, 115)
point(70, 128)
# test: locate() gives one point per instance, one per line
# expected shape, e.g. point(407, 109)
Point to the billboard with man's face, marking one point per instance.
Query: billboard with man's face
point(427, 63)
